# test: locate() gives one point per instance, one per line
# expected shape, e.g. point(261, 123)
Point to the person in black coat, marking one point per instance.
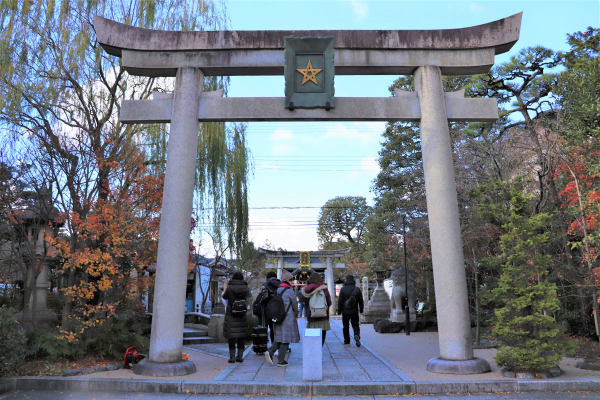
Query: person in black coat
point(273, 284)
point(235, 327)
point(350, 314)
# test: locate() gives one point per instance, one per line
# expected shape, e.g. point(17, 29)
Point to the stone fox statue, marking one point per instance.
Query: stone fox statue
point(397, 313)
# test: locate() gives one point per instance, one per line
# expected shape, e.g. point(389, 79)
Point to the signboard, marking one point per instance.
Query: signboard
point(304, 259)
point(309, 73)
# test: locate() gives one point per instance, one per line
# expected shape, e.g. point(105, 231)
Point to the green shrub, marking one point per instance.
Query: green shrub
point(54, 344)
point(12, 341)
point(532, 339)
point(111, 343)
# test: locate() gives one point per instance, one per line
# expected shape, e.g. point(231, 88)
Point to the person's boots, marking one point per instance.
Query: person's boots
point(231, 356)
point(240, 355)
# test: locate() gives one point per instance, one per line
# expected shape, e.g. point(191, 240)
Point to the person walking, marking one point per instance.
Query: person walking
point(315, 287)
point(350, 303)
point(236, 324)
point(286, 332)
point(268, 291)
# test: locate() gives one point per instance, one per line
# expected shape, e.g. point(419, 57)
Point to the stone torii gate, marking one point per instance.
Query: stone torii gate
point(426, 54)
point(328, 255)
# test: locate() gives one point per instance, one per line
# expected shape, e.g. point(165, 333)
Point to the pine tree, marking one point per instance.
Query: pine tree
point(532, 339)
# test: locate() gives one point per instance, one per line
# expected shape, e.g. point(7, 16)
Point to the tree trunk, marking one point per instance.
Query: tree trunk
point(66, 313)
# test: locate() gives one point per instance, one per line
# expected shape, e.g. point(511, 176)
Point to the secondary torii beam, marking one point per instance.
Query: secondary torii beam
point(426, 54)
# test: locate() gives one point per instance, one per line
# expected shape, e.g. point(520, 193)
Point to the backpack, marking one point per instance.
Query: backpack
point(318, 305)
point(239, 308)
point(263, 297)
point(351, 301)
point(275, 309)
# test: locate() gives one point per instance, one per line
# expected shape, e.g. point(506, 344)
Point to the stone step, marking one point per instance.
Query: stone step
point(194, 333)
point(201, 327)
point(198, 340)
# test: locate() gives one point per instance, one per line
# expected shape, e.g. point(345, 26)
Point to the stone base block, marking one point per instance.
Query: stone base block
point(462, 367)
point(312, 350)
point(215, 327)
point(148, 368)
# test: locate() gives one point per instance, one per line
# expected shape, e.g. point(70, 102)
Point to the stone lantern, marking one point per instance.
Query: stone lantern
point(379, 306)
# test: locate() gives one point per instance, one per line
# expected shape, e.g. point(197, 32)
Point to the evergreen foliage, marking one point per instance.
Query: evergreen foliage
point(12, 341)
point(532, 338)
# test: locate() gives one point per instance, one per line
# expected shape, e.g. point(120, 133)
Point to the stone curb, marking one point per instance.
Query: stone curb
point(7, 384)
point(296, 388)
point(87, 371)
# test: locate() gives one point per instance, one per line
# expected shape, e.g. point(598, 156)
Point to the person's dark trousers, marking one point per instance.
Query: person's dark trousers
point(271, 326)
point(348, 319)
point(241, 342)
point(240, 345)
point(282, 347)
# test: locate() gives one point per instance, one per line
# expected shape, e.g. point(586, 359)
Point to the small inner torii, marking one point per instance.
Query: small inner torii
point(292, 262)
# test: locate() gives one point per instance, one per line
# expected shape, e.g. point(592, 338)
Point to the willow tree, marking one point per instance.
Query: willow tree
point(60, 96)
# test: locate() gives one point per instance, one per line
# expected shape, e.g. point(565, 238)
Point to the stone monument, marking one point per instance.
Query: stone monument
point(255, 285)
point(426, 54)
point(399, 293)
point(379, 306)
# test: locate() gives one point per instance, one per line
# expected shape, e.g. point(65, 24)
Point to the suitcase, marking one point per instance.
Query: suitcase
point(259, 339)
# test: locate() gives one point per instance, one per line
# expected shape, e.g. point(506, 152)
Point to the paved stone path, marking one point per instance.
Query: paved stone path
point(214, 349)
point(64, 395)
point(340, 363)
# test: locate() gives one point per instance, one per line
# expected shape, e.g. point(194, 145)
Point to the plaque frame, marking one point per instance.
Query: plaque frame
point(309, 46)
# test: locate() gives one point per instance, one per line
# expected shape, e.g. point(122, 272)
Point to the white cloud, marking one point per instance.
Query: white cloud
point(282, 134)
point(342, 131)
point(475, 8)
point(282, 232)
point(360, 8)
point(282, 149)
point(267, 166)
point(368, 165)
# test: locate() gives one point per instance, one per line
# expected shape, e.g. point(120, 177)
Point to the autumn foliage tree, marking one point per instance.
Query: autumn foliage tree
point(115, 244)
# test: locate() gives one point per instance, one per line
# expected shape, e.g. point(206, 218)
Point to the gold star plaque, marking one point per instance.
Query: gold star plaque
point(309, 73)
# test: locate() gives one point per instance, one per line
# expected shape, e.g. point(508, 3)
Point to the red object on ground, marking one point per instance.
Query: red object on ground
point(132, 357)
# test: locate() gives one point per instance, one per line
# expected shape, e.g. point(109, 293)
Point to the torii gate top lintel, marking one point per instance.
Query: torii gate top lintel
point(319, 253)
point(501, 35)
point(464, 51)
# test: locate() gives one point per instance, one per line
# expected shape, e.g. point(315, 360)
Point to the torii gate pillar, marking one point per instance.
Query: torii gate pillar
point(454, 325)
point(174, 235)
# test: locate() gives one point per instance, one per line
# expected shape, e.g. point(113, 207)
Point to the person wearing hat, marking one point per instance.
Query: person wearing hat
point(286, 332)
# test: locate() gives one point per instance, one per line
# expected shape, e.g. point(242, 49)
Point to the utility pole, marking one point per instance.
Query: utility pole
point(476, 270)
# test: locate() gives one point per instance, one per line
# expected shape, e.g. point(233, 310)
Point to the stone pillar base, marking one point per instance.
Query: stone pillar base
point(462, 367)
point(148, 368)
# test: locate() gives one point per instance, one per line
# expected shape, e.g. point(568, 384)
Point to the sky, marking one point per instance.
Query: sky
point(301, 165)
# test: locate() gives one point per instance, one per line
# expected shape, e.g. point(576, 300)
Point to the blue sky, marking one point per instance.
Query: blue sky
point(305, 164)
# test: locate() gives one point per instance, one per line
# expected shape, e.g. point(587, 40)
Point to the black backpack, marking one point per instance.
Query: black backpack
point(275, 309)
point(261, 300)
point(351, 301)
point(239, 308)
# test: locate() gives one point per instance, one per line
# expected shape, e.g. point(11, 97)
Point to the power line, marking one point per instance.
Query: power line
point(288, 208)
